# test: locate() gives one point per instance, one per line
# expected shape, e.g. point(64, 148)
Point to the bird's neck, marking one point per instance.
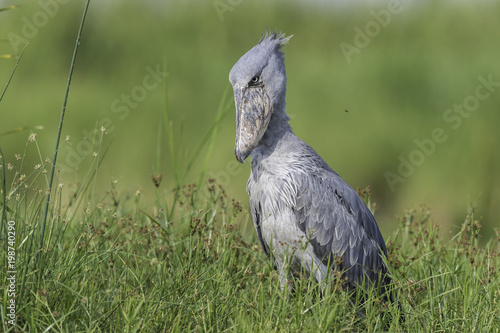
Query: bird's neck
point(277, 128)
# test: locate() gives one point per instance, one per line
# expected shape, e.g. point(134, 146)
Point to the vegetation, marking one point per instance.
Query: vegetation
point(110, 266)
point(179, 253)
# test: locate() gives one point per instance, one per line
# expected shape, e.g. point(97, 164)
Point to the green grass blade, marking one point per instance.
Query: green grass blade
point(8, 8)
point(20, 129)
point(222, 111)
point(58, 138)
point(168, 127)
point(13, 71)
point(158, 148)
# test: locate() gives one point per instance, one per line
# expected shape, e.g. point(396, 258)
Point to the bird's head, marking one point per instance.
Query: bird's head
point(259, 84)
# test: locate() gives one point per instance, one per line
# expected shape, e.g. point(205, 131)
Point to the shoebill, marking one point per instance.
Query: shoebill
point(307, 218)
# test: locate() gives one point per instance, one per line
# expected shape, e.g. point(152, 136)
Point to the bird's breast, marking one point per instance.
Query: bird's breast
point(275, 198)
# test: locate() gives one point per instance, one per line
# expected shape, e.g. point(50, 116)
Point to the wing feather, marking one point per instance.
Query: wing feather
point(339, 224)
point(255, 207)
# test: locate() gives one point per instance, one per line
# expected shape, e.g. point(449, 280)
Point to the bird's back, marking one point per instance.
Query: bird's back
point(299, 204)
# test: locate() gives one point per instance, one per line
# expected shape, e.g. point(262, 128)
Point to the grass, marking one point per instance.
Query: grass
point(114, 266)
point(186, 262)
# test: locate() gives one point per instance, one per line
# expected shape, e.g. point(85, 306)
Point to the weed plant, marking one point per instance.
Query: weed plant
point(114, 267)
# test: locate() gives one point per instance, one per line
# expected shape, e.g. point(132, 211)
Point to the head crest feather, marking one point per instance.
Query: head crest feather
point(274, 40)
point(274, 37)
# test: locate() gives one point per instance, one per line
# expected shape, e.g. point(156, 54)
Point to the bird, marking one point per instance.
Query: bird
point(307, 218)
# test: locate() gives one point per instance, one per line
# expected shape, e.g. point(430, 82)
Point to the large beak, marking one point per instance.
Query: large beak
point(253, 112)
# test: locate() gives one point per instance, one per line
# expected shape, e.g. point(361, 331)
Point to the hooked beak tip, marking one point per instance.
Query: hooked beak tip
point(239, 156)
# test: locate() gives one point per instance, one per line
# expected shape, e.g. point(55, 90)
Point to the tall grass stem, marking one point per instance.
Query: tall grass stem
point(13, 71)
point(58, 138)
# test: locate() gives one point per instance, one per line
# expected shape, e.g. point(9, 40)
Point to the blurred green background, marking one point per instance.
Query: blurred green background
point(362, 111)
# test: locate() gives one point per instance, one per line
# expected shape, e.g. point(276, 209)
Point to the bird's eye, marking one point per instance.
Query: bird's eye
point(255, 80)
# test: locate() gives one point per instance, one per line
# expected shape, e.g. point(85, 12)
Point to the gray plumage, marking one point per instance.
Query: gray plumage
point(305, 215)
